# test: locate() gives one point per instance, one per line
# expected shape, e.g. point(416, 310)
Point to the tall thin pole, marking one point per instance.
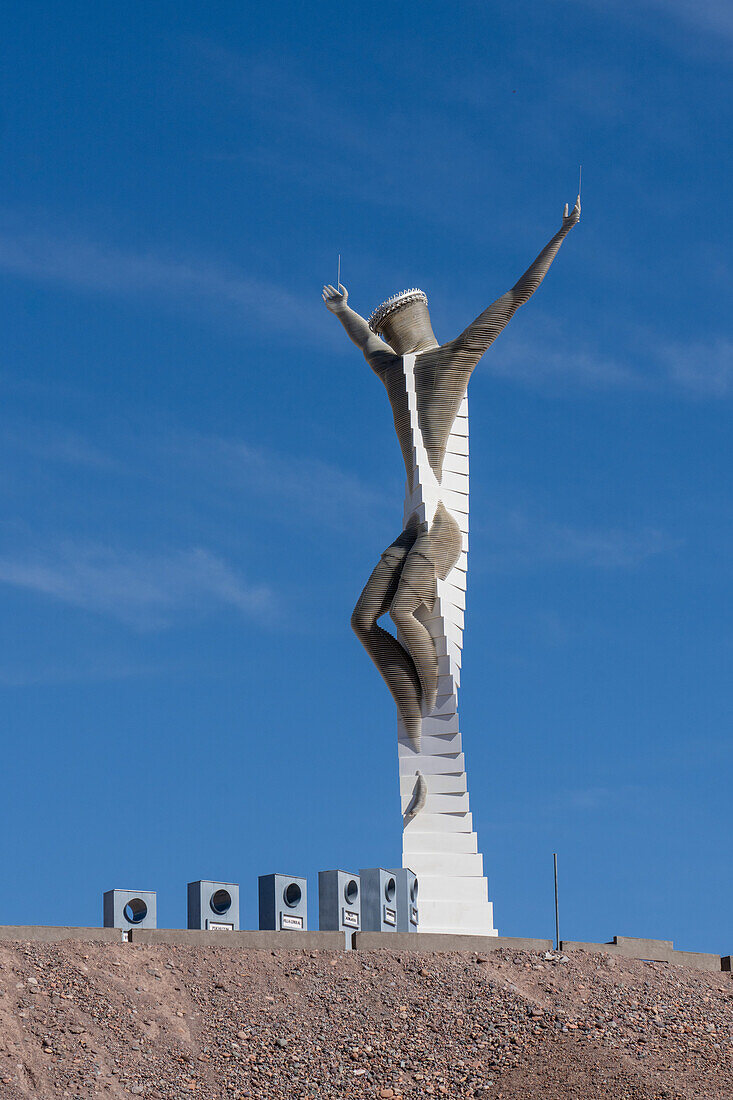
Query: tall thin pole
point(557, 906)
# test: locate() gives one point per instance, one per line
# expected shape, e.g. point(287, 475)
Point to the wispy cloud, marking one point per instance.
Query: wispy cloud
point(95, 267)
point(289, 484)
point(519, 540)
point(360, 148)
point(538, 361)
point(288, 97)
point(564, 804)
point(77, 668)
point(713, 17)
point(143, 591)
point(224, 493)
point(703, 368)
point(548, 354)
point(54, 444)
point(599, 798)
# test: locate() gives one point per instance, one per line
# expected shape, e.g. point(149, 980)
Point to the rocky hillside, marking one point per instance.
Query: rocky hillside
point(120, 1020)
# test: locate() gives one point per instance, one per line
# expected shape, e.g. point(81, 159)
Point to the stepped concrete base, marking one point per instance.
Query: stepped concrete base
point(648, 950)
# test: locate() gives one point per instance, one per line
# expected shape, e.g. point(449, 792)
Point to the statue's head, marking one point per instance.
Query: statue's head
point(404, 322)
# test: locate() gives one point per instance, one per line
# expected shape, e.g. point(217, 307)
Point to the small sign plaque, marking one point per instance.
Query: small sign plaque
point(291, 922)
point(350, 918)
point(390, 915)
point(219, 926)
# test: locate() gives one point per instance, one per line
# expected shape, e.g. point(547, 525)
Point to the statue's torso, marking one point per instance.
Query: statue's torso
point(440, 379)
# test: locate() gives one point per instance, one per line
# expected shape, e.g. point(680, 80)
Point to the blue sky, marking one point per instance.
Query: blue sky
point(199, 472)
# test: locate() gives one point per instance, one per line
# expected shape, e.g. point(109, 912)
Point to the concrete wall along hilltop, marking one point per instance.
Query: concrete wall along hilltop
point(661, 951)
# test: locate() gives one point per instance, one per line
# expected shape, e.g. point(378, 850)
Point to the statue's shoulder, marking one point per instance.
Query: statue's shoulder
point(383, 360)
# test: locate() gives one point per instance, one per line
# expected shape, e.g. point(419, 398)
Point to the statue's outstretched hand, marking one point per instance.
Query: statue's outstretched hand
point(571, 219)
point(335, 299)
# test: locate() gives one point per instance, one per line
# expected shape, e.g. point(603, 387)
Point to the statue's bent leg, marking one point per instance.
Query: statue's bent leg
point(392, 660)
point(433, 555)
point(418, 588)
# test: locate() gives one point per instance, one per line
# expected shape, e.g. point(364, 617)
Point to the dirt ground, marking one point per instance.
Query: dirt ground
point(120, 1020)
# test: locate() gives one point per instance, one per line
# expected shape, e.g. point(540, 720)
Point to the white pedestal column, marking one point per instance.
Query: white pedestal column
point(439, 843)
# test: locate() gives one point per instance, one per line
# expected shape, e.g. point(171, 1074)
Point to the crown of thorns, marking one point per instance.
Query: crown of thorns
point(392, 305)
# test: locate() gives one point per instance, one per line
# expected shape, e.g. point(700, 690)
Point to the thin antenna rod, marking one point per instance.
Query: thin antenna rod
point(338, 277)
point(557, 907)
point(580, 179)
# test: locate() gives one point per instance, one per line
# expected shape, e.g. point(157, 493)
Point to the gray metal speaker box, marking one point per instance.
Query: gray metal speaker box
point(408, 916)
point(283, 903)
point(378, 900)
point(339, 902)
point(130, 909)
point(213, 905)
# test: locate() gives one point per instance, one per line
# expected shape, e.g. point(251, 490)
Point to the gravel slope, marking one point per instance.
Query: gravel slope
point(120, 1020)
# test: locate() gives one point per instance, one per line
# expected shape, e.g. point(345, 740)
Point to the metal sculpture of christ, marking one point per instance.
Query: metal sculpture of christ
point(400, 346)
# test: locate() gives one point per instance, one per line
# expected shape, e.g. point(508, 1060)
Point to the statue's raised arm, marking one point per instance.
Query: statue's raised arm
point(357, 329)
point(481, 333)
